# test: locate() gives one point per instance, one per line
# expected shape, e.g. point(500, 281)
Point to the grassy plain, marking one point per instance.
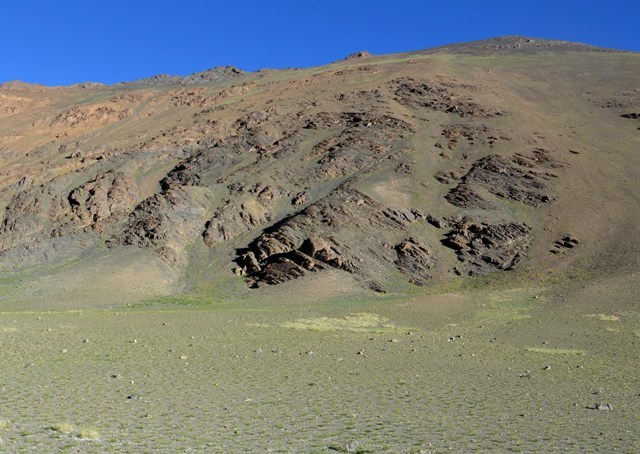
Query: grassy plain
point(481, 366)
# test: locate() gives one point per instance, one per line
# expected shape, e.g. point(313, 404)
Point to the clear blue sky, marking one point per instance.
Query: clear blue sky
point(60, 42)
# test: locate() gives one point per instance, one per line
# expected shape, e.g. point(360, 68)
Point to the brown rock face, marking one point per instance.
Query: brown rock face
point(29, 215)
point(107, 198)
point(483, 247)
point(166, 222)
point(307, 241)
point(230, 221)
point(414, 260)
point(358, 55)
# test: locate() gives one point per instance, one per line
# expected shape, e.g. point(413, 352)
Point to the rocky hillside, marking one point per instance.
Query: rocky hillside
point(398, 171)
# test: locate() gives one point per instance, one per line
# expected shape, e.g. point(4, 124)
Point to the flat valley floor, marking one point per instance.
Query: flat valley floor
point(479, 366)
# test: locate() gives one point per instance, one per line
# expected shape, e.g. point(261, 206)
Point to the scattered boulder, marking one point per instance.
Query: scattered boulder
point(600, 406)
point(449, 176)
point(566, 242)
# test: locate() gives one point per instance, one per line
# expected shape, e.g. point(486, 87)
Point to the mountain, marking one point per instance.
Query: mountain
point(511, 156)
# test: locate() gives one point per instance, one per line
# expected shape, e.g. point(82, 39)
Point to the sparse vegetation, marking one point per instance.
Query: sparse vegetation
point(604, 317)
point(63, 428)
point(88, 434)
point(368, 323)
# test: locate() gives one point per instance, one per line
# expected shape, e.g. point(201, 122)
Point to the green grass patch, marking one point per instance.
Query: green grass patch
point(603, 317)
point(502, 315)
point(512, 304)
point(181, 300)
point(362, 322)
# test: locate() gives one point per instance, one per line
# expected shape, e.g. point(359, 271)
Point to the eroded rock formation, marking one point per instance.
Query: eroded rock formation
point(483, 246)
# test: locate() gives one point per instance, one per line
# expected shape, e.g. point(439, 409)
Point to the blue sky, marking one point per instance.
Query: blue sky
point(68, 41)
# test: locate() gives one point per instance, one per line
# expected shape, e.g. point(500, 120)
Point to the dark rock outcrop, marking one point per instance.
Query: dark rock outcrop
point(439, 96)
point(363, 139)
point(202, 167)
point(166, 222)
point(519, 45)
point(358, 55)
point(564, 243)
point(307, 241)
point(519, 178)
point(483, 247)
point(32, 215)
point(414, 260)
point(216, 74)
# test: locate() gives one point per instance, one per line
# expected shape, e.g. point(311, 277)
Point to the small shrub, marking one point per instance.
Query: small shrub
point(88, 434)
point(63, 428)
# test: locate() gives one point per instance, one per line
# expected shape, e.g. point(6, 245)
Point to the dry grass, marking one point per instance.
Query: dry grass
point(361, 322)
point(88, 434)
point(603, 317)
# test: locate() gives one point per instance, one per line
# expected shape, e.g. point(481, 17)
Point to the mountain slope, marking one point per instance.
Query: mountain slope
point(397, 171)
